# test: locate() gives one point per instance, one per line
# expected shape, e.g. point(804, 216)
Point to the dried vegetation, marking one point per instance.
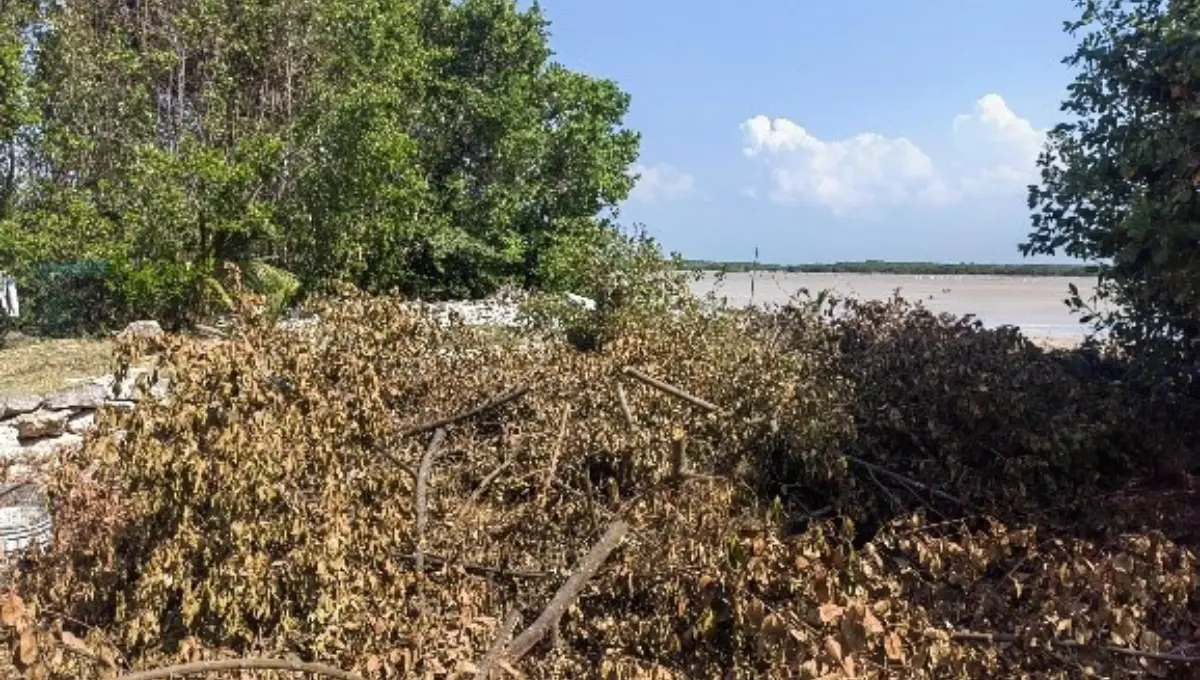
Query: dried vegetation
point(891, 495)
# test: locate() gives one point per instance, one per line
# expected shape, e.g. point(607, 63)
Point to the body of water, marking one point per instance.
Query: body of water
point(1033, 303)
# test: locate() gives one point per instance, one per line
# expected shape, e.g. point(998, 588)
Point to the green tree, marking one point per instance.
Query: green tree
point(1119, 180)
point(17, 112)
point(428, 146)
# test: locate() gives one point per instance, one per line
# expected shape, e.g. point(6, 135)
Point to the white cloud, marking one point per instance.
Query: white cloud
point(993, 151)
point(661, 182)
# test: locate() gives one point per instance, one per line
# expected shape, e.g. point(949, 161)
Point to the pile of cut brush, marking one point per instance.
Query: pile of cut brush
point(393, 498)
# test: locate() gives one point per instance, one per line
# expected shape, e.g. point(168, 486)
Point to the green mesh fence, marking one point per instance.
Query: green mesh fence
point(64, 299)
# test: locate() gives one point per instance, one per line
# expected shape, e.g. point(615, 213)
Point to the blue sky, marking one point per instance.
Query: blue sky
point(821, 131)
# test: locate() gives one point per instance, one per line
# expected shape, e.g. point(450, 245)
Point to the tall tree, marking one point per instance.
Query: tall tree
point(1119, 181)
point(18, 20)
point(429, 146)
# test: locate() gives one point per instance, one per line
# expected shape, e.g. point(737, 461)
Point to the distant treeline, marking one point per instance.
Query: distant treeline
point(884, 267)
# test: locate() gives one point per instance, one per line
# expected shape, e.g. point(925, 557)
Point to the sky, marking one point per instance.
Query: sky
point(827, 131)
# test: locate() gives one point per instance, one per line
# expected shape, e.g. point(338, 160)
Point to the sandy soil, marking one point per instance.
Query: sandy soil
point(40, 366)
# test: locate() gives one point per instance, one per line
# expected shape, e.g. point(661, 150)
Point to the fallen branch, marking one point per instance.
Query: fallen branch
point(554, 454)
point(669, 389)
point(483, 485)
point(476, 569)
point(1008, 638)
point(241, 665)
point(906, 480)
point(567, 594)
point(422, 492)
point(624, 399)
point(507, 627)
point(499, 400)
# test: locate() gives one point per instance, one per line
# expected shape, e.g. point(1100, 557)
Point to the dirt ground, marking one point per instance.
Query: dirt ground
point(39, 366)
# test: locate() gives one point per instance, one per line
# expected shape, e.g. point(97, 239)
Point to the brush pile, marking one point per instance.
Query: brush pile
point(706, 496)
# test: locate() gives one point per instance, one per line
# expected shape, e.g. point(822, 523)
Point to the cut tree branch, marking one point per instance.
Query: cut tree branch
point(241, 665)
point(624, 399)
point(476, 569)
point(906, 480)
point(567, 594)
point(499, 400)
point(507, 627)
point(483, 485)
point(670, 389)
point(554, 454)
point(422, 492)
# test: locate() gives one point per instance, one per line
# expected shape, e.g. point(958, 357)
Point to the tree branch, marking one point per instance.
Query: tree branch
point(240, 665)
point(567, 594)
point(422, 492)
point(499, 400)
point(670, 389)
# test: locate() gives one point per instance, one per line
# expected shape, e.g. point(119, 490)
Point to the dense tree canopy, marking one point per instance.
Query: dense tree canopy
point(1120, 179)
point(429, 146)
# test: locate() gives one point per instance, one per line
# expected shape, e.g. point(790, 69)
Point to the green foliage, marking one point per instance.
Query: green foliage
point(65, 299)
point(1119, 181)
point(426, 146)
point(624, 272)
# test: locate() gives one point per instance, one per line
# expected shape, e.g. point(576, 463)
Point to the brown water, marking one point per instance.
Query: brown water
point(1034, 303)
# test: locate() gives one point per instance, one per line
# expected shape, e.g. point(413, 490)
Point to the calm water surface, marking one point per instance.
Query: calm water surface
point(1034, 303)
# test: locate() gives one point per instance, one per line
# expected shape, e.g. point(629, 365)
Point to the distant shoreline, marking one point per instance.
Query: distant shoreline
point(885, 267)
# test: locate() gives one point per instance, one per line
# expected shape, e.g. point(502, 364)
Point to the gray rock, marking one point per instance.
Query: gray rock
point(21, 525)
point(81, 423)
point(17, 404)
point(41, 423)
point(142, 329)
point(86, 396)
point(121, 404)
point(10, 443)
point(46, 446)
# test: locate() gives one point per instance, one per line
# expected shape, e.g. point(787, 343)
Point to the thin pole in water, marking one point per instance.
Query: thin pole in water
point(753, 273)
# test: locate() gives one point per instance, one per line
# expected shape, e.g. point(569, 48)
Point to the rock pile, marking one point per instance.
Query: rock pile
point(35, 426)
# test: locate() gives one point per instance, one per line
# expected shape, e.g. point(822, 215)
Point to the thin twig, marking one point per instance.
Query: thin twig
point(906, 480)
point(483, 485)
point(624, 399)
point(476, 569)
point(503, 636)
point(1003, 638)
point(499, 400)
point(555, 453)
point(567, 593)
point(678, 456)
point(670, 389)
point(896, 504)
point(240, 665)
point(422, 494)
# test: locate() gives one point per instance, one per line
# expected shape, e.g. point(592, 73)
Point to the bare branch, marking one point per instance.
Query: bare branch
point(507, 627)
point(624, 399)
point(906, 480)
point(483, 485)
point(567, 594)
point(422, 492)
point(476, 569)
point(499, 400)
point(670, 389)
point(555, 452)
point(240, 665)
